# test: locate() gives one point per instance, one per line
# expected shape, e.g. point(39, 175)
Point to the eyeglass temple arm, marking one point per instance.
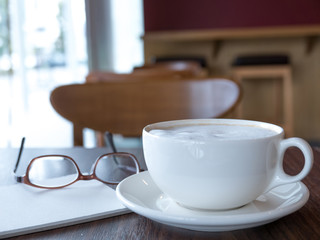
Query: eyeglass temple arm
point(108, 138)
point(19, 178)
point(19, 155)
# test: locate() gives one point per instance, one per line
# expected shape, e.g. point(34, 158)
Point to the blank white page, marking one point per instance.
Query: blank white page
point(25, 209)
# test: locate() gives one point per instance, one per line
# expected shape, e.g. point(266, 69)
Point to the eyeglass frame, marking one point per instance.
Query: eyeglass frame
point(25, 178)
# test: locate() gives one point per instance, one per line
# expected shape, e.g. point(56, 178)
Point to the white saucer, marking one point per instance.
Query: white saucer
point(140, 194)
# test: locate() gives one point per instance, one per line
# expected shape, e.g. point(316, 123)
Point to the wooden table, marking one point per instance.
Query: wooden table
point(303, 224)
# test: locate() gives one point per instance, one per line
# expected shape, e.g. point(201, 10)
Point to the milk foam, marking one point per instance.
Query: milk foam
point(212, 131)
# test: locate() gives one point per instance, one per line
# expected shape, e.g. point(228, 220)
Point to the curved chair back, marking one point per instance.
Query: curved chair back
point(186, 69)
point(126, 107)
point(100, 76)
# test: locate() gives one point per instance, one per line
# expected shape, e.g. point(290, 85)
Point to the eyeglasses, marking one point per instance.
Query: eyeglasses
point(58, 171)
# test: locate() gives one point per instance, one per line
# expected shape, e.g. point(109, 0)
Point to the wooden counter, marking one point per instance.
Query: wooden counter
point(233, 33)
point(311, 32)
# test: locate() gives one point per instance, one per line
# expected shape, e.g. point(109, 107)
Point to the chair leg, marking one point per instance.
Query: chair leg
point(99, 139)
point(77, 135)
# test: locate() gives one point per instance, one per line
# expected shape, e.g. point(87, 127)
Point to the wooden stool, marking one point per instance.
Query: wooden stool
point(263, 67)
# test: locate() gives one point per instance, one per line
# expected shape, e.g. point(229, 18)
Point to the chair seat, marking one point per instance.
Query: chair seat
point(261, 60)
point(200, 60)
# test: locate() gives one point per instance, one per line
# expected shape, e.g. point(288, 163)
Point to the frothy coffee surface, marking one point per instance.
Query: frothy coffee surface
point(214, 131)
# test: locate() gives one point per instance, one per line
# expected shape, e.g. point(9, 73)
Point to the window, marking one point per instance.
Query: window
point(42, 45)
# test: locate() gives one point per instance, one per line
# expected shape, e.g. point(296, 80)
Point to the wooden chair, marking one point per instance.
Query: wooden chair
point(162, 70)
point(158, 71)
point(185, 69)
point(102, 76)
point(126, 107)
point(148, 74)
point(269, 67)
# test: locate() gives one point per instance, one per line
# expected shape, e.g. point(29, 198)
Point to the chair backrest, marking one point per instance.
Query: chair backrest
point(147, 75)
point(126, 107)
point(184, 68)
point(155, 71)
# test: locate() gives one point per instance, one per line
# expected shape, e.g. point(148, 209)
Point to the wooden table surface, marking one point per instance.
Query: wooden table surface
point(303, 224)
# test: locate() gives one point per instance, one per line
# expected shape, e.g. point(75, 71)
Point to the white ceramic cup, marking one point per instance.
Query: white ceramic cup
point(220, 172)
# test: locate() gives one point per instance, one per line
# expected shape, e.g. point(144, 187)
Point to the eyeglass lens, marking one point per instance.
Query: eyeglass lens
point(115, 168)
point(52, 171)
point(58, 171)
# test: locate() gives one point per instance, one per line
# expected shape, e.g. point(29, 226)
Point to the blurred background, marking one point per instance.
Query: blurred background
point(44, 44)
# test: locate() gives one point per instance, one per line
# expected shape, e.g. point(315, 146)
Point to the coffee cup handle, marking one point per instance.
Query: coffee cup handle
point(280, 176)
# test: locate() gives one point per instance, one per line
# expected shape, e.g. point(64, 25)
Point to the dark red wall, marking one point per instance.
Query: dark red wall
point(164, 15)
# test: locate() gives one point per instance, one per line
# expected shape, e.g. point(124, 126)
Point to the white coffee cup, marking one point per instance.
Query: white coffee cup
point(219, 163)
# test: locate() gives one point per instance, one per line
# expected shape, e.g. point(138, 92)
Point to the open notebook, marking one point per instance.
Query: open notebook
point(25, 209)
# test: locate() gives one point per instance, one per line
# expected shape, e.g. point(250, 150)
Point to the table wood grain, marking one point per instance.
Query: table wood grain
point(302, 224)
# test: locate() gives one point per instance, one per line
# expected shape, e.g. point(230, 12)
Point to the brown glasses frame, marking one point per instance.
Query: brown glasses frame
point(25, 179)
